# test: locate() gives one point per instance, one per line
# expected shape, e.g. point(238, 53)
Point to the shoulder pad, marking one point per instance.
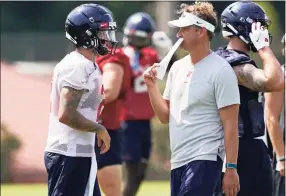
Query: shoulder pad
point(234, 57)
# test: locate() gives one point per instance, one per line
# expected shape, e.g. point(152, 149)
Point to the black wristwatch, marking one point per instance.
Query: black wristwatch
point(281, 159)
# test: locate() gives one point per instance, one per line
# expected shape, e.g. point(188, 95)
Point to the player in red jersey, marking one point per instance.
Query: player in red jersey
point(137, 111)
point(116, 81)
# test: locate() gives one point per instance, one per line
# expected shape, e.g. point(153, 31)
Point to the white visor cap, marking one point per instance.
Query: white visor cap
point(188, 19)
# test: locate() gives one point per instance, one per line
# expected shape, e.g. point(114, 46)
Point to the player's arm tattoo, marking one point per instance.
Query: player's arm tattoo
point(68, 114)
point(69, 100)
point(251, 77)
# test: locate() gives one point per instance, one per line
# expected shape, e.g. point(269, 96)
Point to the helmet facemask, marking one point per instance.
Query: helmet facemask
point(105, 42)
point(139, 42)
point(105, 39)
point(138, 39)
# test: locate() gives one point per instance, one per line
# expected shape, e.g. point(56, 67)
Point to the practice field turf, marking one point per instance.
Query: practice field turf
point(147, 189)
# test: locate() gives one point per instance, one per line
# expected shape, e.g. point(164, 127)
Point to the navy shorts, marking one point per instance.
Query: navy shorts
point(137, 140)
point(254, 169)
point(68, 175)
point(197, 178)
point(114, 155)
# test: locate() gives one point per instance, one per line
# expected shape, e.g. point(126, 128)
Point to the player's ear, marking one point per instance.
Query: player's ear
point(200, 32)
point(204, 32)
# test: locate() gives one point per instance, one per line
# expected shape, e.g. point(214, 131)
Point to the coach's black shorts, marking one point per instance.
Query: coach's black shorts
point(197, 178)
point(137, 140)
point(114, 155)
point(279, 184)
point(254, 169)
point(68, 176)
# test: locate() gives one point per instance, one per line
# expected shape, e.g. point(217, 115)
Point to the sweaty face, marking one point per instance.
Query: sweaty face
point(191, 36)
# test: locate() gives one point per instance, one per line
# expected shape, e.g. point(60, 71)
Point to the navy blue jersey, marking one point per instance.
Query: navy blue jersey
point(251, 114)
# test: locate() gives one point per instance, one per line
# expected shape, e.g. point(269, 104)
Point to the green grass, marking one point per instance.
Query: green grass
point(147, 189)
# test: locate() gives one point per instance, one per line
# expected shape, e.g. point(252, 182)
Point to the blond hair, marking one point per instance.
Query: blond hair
point(203, 10)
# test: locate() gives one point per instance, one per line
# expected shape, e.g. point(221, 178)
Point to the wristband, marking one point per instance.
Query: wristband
point(281, 159)
point(231, 165)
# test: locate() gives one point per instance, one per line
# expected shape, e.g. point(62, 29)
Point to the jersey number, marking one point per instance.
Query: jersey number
point(139, 85)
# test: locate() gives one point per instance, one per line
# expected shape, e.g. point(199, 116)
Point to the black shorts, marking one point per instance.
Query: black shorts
point(254, 169)
point(114, 155)
point(68, 175)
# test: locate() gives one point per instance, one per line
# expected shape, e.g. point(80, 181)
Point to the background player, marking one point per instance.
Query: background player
point(76, 103)
point(116, 81)
point(275, 121)
point(137, 111)
point(245, 25)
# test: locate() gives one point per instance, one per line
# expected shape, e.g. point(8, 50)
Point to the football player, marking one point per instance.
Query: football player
point(275, 121)
point(244, 25)
point(116, 81)
point(137, 111)
point(76, 103)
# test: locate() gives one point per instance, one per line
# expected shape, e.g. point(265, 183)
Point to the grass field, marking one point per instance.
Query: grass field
point(147, 189)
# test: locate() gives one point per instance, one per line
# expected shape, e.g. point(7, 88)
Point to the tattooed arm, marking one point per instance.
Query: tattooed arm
point(251, 77)
point(68, 114)
point(256, 79)
point(269, 79)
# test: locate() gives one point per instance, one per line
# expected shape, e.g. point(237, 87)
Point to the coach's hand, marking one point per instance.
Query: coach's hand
point(150, 75)
point(103, 140)
point(230, 184)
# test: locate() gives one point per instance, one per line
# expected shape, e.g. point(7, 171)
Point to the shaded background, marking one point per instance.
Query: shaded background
point(33, 41)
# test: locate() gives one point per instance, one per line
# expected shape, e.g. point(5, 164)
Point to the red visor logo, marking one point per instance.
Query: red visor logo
point(104, 25)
